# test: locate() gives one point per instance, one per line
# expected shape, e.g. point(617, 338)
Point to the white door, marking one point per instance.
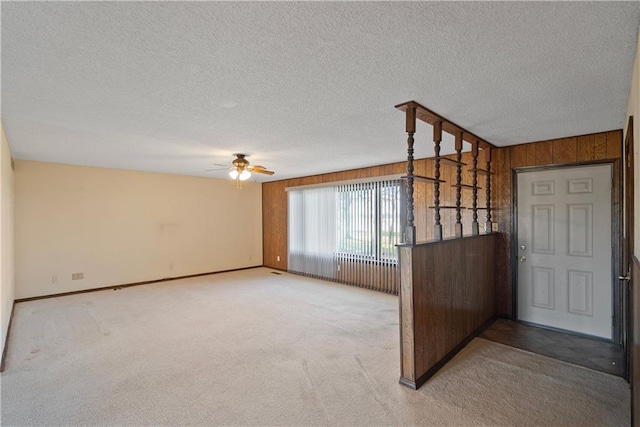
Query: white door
point(564, 249)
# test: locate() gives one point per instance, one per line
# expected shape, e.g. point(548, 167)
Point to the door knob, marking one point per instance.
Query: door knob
point(523, 258)
point(627, 276)
point(523, 247)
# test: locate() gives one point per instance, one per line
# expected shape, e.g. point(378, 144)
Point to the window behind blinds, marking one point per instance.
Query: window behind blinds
point(347, 232)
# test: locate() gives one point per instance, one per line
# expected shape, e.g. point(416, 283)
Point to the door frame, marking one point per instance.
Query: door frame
point(628, 250)
point(617, 209)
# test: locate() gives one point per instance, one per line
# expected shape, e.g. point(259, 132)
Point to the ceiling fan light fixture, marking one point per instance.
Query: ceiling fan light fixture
point(241, 175)
point(244, 175)
point(242, 171)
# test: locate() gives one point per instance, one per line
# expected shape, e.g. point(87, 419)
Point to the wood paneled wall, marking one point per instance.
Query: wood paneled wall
point(586, 148)
point(600, 146)
point(376, 276)
point(274, 207)
point(634, 340)
point(447, 293)
point(274, 202)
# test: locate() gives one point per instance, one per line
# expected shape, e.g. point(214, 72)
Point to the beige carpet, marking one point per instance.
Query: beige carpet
point(254, 348)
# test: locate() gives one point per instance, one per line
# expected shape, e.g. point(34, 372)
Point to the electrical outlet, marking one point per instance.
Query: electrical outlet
point(77, 276)
point(278, 258)
point(54, 279)
point(494, 227)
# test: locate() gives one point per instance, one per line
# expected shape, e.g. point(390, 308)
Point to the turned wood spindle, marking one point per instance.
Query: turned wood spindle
point(410, 230)
point(475, 229)
point(487, 158)
point(437, 138)
point(458, 228)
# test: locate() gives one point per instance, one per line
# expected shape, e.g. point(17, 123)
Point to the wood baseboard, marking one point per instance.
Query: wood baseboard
point(126, 285)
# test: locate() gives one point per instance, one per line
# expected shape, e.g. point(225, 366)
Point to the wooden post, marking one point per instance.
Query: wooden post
point(459, 184)
point(407, 318)
point(475, 229)
point(487, 158)
point(437, 138)
point(410, 229)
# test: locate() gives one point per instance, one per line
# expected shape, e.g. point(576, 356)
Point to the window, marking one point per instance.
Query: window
point(369, 220)
point(358, 221)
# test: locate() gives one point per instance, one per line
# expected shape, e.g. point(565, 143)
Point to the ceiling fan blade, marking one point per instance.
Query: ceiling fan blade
point(218, 169)
point(263, 171)
point(218, 164)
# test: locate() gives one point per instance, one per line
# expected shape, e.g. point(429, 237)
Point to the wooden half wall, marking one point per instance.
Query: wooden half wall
point(564, 151)
point(447, 295)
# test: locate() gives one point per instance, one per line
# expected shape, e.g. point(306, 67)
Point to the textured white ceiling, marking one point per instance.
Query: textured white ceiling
point(302, 87)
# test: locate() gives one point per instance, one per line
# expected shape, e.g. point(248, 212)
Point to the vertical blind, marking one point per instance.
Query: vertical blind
point(347, 232)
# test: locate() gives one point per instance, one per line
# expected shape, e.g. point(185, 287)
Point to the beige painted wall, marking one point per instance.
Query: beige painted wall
point(633, 109)
point(6, 237)
point(119, 227)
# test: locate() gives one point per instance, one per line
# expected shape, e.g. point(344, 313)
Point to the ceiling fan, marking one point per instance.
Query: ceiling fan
point(241, 169)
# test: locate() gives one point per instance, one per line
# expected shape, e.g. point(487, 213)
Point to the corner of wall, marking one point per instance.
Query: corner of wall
point(7, 280)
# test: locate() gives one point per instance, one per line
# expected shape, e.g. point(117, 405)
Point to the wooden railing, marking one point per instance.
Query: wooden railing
point(414, 112)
